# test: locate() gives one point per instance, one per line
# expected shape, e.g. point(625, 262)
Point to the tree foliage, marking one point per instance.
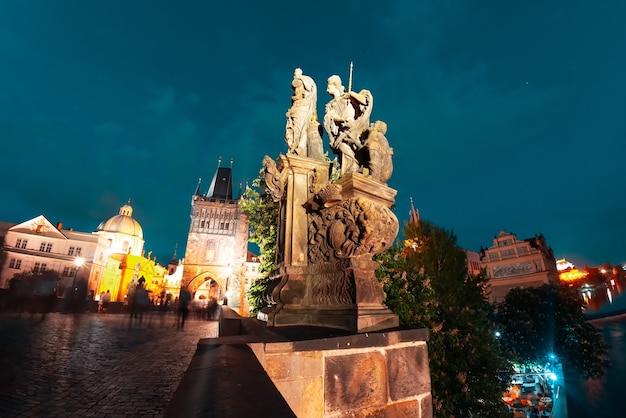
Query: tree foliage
point(263, 229)
point(538, 322)
point(427, 284)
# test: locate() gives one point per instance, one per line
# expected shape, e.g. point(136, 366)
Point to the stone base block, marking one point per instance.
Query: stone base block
point(357, 320)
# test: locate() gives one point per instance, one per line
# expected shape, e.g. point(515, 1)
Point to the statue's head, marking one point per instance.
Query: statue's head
point(335, 88)
point(297, 72)
point(268, 161)
point(380, 126)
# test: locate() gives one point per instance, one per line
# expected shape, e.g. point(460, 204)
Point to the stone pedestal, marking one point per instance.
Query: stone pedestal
point(337, 286)
point(301, 177)
point(344, 295)
point(357, 185)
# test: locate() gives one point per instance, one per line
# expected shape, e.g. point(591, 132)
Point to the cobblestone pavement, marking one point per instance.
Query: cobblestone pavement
point(93, 365)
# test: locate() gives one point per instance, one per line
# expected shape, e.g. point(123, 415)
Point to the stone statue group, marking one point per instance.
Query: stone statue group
point(361, 146)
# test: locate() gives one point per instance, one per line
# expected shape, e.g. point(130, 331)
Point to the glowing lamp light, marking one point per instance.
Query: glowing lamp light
point(552, 376)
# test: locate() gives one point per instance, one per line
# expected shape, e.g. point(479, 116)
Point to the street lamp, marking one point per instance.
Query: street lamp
point(79, 261)
point(228, 272)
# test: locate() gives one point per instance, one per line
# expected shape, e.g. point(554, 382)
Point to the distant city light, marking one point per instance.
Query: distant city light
point(498, 334)
point(572, 275)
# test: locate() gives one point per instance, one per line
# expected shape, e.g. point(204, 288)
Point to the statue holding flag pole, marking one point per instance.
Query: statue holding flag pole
point(346, 119)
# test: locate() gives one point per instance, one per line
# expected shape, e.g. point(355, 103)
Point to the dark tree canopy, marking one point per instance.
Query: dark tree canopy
point(263, 227)
point(539, 321)
point(427, 284)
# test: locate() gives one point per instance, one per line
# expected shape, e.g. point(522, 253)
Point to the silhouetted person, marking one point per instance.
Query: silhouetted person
point(138, 300)
point(141, 301)
point(106, 300)
point(48, 292)
point(184, 299)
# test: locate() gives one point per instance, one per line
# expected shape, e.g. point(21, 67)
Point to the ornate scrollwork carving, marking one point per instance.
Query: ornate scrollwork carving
point(352, 228)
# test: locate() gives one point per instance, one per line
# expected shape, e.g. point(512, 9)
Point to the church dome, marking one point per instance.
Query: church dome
point(123, 223)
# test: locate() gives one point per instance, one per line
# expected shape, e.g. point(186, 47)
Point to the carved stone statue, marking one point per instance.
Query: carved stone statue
point(273, 182)
point(346, 118)
point(301, 114)
point(377, 155)
point(330, 228)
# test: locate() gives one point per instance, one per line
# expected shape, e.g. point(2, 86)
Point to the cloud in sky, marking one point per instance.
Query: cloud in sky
point(501, 115)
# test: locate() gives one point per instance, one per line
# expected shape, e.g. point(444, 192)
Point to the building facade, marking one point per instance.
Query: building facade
point(37, 245)
point(511, 263)
point(109, 259)
point(214, 266)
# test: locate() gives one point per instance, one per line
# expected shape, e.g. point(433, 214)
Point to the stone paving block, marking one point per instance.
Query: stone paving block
point(97, 359)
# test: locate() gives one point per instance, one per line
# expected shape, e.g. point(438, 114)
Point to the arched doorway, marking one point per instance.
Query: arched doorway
point(209, 290)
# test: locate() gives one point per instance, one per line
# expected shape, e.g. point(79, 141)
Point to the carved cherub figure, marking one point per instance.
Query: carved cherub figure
point(273, 181)
point(378, 153)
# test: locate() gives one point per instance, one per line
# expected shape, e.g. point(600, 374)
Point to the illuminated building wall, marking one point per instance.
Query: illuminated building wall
point(512, 263)
point(113, 254)
point(37, 245)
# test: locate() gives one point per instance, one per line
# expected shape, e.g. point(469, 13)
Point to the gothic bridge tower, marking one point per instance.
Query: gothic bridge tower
point(217, 243)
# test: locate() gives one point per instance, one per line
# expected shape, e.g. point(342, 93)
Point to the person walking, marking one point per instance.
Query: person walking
point(101, 302)
point(139, 300)
point(184, 299)
point(106, 300)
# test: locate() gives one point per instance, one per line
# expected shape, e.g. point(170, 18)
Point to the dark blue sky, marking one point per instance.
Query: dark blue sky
point(502, 115)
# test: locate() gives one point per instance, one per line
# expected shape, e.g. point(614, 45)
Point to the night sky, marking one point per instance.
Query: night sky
point(502, 115)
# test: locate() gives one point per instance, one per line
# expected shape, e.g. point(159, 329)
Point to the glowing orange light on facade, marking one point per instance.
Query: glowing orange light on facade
point(572, 275)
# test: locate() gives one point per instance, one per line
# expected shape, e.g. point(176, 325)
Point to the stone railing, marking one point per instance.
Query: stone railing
point(306, 372)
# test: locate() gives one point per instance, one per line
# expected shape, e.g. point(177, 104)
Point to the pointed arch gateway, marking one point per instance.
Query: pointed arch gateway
point(206, 285)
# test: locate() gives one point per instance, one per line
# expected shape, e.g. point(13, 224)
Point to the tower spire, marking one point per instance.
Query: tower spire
point(198, 186)
point(414, 215)
point(221, 185)
point(230, 178)
point(174, 256)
